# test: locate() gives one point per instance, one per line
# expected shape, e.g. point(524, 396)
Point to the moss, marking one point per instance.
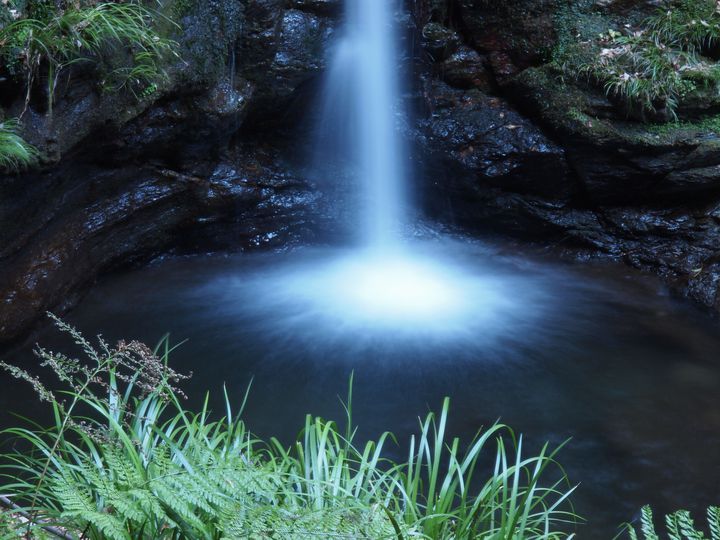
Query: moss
point(571, 112)
point(575, 22)
point(706, 125)
point(182, 8)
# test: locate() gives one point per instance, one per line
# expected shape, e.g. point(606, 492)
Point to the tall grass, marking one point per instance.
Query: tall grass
point(124, 460)
point(105, 34)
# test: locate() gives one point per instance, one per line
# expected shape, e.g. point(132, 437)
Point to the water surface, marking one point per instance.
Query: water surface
point(600, 355)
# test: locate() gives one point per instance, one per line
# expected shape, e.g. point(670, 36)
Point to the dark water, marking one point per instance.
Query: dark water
point(600, 355)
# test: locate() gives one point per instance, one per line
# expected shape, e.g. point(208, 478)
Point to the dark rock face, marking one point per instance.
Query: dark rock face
point(483, 140)
point(128, 180)
point(515, 34)
point(117, 217)
point(617, 161)
point(572, 172)
point(282, 49)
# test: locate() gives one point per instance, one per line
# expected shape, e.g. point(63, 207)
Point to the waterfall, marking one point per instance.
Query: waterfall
point(362, 92)
point(390, 283)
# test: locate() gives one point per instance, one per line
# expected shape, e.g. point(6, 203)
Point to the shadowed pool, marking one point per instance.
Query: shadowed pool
point(607, 359)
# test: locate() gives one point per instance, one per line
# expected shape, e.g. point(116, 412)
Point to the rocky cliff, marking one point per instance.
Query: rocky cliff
point(516, 144)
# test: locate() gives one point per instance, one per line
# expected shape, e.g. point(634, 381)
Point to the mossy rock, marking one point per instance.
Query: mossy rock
point(619, 160)
point(657, 65)
point(585, 113)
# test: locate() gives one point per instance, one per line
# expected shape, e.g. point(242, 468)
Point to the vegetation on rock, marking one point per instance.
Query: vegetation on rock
point(125, 460)
point(119, 37)
point(121, 41)
point(655, 67)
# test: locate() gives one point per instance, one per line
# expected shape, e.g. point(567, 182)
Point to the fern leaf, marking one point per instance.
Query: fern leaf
point(673, 527)
point(646, 524)
point(687, 526)
point(714, 522)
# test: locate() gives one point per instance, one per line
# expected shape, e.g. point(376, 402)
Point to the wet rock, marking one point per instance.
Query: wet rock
point(324, 8)
point(482, 135)
point(680, 245)
point(259, 40)
point(465, 68)
point(618, 161)
point(281, 50)
point(209, 30)
point(515, 34)
point(116, 218)
point(704, 285)
point(574, 173)
point(301, 49)
point(700, 182)
point(439, 40)
point(128, 179)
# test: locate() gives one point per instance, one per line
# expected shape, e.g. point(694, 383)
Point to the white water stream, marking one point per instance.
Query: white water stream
point(389, 282)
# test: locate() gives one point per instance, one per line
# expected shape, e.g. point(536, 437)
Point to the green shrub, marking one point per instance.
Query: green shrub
point(15, 152)
point(125, 460)
point(118, 36)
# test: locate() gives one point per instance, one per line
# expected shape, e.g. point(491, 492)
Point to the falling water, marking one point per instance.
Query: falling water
point(391, 286)
point(361, 97)
point(390, 283)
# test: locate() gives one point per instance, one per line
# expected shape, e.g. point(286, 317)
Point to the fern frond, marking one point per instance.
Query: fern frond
point(714, 522)
point(646, 524)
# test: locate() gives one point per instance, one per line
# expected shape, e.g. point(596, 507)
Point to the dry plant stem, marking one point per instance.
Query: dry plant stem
point(56, 444)
point(7, 503)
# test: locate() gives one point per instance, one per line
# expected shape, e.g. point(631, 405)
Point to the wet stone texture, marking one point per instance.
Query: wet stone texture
point(186, 170)
point(501, 146)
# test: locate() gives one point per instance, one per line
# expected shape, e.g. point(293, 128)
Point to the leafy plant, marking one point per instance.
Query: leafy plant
point(689, 25)
point(106, 33)
point(125, 460)
point(645, 74)
point(652, 68)
point(15, 152)
point(678, 525)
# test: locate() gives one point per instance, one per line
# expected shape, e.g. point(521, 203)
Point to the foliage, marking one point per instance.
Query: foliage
point(653, 67)
point(15, 152)
point(119, 36)
point(180, 8)
point(125, 460)
point(678, 525)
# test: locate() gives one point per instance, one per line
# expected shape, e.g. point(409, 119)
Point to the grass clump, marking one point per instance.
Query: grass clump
point(652, 68)
point(15, 152)
point(678, 526)
point(125, 460)
point(120, 37)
